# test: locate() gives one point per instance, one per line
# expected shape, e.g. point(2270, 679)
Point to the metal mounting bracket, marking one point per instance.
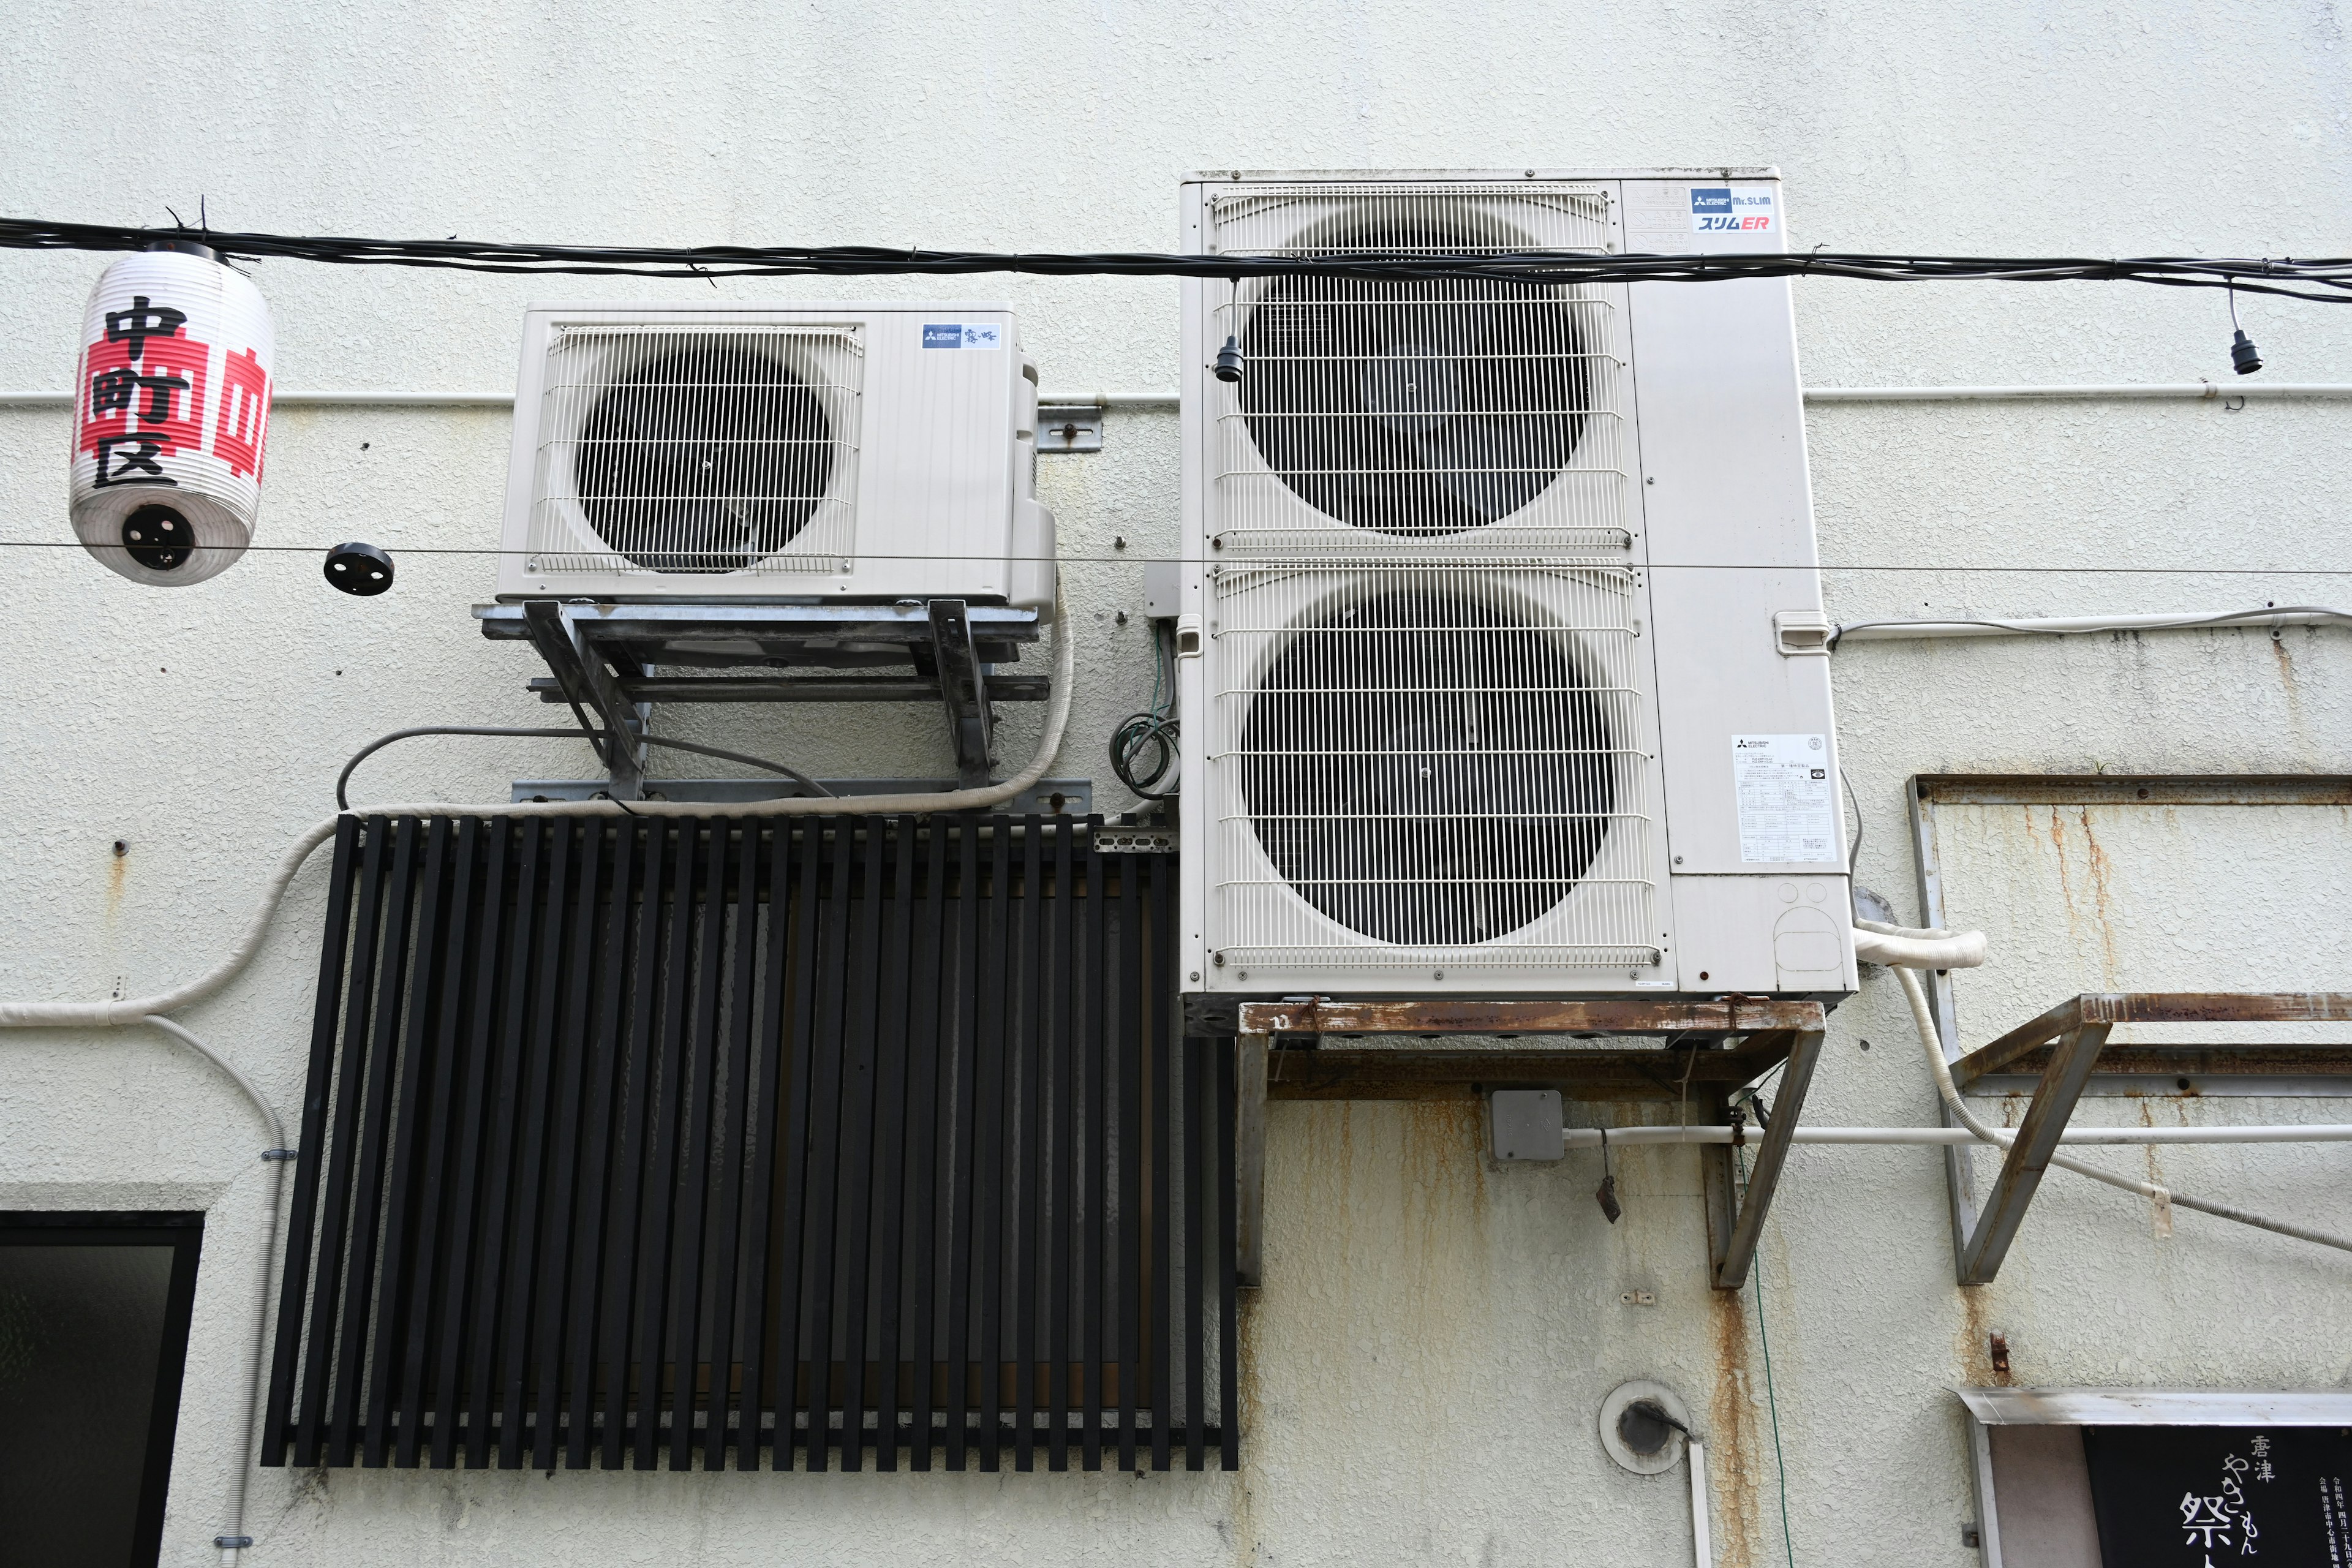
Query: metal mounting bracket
point(614, 661)
point(1069, 427)
point(1739, 1038)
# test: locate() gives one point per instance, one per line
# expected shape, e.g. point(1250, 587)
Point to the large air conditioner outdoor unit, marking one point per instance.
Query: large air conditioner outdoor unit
point(1507, 673)
point(825, 452)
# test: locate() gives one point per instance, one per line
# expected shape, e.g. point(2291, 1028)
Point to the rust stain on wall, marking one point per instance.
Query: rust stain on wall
point(1731, 1435)
point(1974, 1351)
point(1244, 1493)
point(2102, 896)
point(2066, 881)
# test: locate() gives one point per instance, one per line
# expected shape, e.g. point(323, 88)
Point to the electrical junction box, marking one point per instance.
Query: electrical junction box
point(1526, 1124)
point(1504, 684)
point(1163, 589)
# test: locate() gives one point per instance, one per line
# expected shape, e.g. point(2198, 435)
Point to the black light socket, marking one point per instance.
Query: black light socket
point(357, 568)
point(2243, 355)
point(158, 537)
point(1229, 360)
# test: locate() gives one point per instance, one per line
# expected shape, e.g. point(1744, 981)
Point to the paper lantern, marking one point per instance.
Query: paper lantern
point(171, 417)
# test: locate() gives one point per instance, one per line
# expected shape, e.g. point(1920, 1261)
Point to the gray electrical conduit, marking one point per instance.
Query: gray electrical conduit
point(111, 1014)
point(232, 1536)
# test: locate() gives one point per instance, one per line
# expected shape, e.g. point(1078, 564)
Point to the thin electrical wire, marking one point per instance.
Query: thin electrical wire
point(595, 737)
point(1771, 1397)
point(2323, 281)
point(1130, 557)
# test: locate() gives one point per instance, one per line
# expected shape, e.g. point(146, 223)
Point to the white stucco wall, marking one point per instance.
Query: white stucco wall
point(1435, 1333)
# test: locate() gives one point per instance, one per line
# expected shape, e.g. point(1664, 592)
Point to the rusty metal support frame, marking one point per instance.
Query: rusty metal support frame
point(613, 662)
point(2076, 1030)
point(1734, 1219)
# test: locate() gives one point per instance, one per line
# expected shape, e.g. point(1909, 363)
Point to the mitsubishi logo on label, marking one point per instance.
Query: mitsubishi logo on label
point(1717, 209)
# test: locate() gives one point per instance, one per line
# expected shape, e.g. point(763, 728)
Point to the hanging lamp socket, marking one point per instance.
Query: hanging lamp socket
point(1229, 360)
point(359, 569)
point(2244, 356)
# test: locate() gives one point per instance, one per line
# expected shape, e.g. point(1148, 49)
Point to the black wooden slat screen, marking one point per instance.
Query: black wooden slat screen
point(673, 1142)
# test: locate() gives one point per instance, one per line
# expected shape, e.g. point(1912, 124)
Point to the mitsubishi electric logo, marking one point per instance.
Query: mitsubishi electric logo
point(1717, 209)
point(961, 335)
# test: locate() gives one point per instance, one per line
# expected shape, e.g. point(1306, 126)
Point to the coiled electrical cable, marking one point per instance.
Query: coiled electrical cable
point(1143, 748)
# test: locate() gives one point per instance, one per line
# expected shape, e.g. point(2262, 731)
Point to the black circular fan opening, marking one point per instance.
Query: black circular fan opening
point(705, 459)
point(1428, 769)
point(1418, 409)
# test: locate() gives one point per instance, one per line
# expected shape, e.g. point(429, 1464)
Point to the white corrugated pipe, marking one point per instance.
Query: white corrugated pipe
point(232, 1538)
point(109, 1015)
point(1922, 1018)
point(2269, 617)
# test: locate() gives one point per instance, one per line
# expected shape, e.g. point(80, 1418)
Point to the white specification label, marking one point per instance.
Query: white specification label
point(1788, 813)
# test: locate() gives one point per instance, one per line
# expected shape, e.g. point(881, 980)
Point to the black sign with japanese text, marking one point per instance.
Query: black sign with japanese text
point(2203, 1497)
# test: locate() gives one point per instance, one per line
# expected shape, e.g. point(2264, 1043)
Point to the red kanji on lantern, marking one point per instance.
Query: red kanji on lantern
point(242, 426)
point(142, 395)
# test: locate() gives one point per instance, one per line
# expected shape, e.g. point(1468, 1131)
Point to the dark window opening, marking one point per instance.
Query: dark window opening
point(93, 1339)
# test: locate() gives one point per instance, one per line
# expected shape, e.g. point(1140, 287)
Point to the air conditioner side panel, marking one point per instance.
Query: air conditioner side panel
point(1728, 514)
point(936, 486)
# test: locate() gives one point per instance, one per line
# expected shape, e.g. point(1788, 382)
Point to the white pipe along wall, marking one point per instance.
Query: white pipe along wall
point(1434, 1332)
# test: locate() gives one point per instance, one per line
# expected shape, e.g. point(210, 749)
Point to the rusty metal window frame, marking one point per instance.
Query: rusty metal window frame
point(1927, 791)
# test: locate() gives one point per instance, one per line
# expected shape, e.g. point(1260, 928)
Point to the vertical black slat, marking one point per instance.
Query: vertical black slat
point(1133, 1313)
point(543, 984)
point(1065, 1044)
point(626, 1405)
point(1163, 1192)
point(825, 1128)
point(1094, 1325)
point(377, 1115)
point(431, 1264)
point(994, 1164)
point(729, 1149)
point(894, 975)
point(1200, 1144)
point(861, 1040)
point(593, 1398)
point(574, 1033)
point(1229, 1385)
point(293, 1280)
point(964, 1175)
point(792, 1249)
point(457, 1403)
point(1033, 1019)
point(408, 1116)
point(665, 1087)
point(927, 1131)
point(493, 1273)
point(334, 1217)
point(773, 1052)
point(695, 1155)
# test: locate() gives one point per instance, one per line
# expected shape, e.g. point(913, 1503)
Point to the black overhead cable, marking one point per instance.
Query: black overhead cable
point(2325, 279)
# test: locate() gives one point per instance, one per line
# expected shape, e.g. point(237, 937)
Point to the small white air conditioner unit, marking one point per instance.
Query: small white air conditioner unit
point(1488, 695)
point(834, 452)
